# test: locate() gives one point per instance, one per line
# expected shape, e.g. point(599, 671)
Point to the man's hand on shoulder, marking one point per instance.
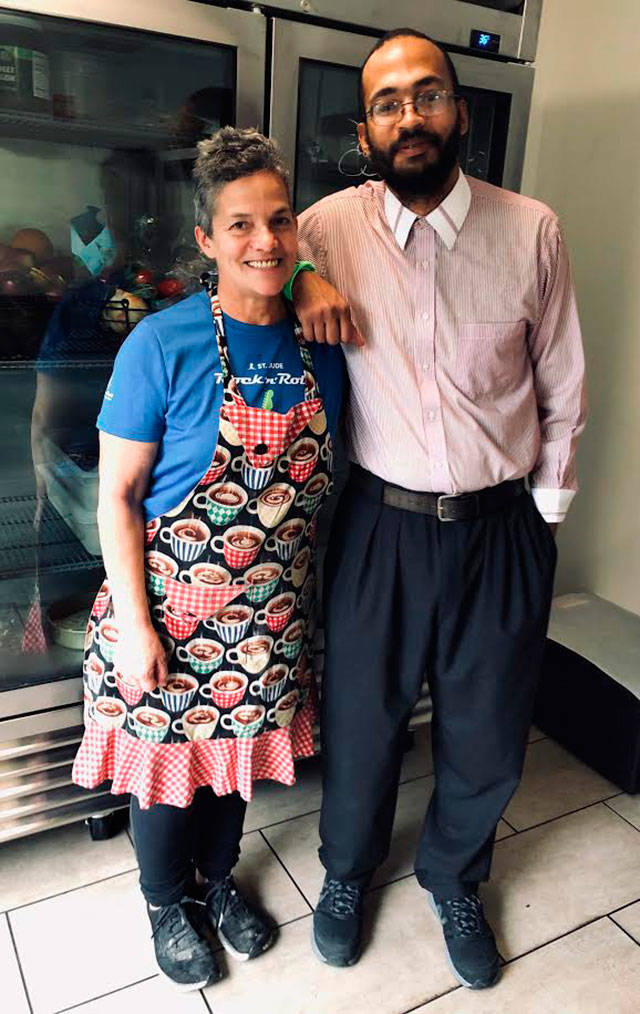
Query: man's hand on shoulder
point(322, 311)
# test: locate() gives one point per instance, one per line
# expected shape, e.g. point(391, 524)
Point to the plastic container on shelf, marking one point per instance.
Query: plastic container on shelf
point(73, 491)
point(79, 485)
point(80, 85)
point(25, 83)
point(83, 523)
point(68, 620)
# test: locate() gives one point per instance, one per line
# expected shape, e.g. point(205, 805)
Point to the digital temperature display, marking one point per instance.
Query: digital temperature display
point(488, 41)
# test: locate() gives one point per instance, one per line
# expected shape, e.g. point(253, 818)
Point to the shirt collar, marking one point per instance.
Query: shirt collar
point(447, 219)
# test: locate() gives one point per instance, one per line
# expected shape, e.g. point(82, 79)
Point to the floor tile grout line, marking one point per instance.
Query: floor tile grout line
point(620, 816)
point(514, 829)
point(219, 949)
point(206, 1002)
point(553, 940)
point(628, 904)
point(388, 883)
point(290, 876)
point(425, 1003)
point(70, 890)
point(111, 992)
point(296, 918)
point(285, 820)
point(509, 961)
point(308, 813)
point(560, 816)
point(532, 950)
point(19, 963)
point(625, 931)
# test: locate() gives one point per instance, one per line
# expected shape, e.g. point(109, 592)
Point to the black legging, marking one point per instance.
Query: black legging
point(169, 840)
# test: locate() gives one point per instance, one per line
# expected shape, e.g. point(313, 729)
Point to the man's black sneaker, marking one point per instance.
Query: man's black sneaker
point(337, 923)
point(182, 955)
point(470, 942)
point(243, 931)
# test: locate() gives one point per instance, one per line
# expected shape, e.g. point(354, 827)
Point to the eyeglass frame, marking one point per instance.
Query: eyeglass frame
point(412, 102)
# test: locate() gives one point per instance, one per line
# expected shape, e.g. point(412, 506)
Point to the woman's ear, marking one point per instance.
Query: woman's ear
point(205, 243)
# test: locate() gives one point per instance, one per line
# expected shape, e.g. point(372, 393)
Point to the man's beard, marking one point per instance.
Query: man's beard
point(423, 180)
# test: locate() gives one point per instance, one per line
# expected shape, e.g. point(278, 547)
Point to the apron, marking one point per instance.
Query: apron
point(230, 576)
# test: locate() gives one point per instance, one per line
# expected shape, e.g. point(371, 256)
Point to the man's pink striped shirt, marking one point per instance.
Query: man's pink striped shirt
point(473, 369)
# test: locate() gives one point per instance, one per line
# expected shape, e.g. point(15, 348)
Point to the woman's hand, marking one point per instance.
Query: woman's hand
point(141, 658)
point(322, 312)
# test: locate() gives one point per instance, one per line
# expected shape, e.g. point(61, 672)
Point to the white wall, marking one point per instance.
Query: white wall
point(583, 159)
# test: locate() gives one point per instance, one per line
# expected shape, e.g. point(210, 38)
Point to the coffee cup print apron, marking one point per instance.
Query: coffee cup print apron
point(224, 571)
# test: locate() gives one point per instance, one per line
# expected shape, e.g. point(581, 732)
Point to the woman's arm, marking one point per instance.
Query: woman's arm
point(125, 467)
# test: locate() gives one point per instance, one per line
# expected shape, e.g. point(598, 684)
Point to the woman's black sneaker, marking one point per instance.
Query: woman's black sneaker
point(182, 955)
point(243, 931)
point(469, 939)
point(337, 923)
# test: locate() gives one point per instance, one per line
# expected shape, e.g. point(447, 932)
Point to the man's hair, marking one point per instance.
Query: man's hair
point(230, 154)
point(415, 34)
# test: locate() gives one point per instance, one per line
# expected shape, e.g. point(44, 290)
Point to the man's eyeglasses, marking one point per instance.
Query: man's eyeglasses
point(385, 112)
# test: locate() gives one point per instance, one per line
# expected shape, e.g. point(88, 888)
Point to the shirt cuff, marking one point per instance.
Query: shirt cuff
point(553, 504)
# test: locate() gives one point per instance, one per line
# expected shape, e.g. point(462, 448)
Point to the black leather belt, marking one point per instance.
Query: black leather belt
point(444, 506)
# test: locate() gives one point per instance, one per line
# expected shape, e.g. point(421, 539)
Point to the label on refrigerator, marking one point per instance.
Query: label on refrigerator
point(8, 69)
point(41, 82)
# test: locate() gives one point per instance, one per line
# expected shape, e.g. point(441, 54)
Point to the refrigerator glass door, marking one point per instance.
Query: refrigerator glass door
point(318, 136)
point(98, 127)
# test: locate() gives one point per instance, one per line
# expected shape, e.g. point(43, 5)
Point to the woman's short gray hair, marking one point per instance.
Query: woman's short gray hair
point(232, 152)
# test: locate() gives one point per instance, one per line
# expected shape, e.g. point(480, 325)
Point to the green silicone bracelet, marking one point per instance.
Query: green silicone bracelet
point(299, 266)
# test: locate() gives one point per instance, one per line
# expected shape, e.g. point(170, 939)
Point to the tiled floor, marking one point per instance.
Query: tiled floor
point(564, 900)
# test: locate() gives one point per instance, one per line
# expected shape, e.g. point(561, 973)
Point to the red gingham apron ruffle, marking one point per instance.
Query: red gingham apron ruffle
point(171, 773)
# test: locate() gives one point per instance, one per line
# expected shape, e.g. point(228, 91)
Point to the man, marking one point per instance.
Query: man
point(470, 380)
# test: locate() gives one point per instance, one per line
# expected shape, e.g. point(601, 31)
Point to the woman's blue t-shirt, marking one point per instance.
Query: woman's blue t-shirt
point(166, 386)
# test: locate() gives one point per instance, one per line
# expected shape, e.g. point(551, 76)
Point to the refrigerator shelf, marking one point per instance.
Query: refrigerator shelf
point(44, 127)
point(56, 546)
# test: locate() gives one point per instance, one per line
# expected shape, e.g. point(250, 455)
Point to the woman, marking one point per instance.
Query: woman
point(215, 459)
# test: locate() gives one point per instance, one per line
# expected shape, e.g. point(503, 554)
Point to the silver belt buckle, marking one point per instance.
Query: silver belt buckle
point(445, 496)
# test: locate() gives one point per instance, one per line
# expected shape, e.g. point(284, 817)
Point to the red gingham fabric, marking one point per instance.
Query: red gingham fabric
point(199, 601)
point(170, 773)
point(34, 640)
point(256, 426)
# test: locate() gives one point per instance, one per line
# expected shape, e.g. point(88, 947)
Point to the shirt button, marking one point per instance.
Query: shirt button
point(431, 416)
point(425, 315)
point(425, 366)
point(425, 264)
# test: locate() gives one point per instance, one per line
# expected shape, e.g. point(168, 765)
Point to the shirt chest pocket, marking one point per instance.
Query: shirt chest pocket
point(490, 359)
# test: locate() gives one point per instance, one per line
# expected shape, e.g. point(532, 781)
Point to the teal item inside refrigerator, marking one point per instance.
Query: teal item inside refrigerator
point(91, 241)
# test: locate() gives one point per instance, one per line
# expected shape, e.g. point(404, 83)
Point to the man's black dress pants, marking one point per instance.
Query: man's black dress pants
point(467, 603)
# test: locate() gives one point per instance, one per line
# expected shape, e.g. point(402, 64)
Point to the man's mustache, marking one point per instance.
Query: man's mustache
point(414, 135)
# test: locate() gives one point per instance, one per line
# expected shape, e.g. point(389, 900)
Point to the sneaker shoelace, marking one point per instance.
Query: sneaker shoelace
point(231, 902)
point(463, 917)
point(177, 924)
point(343, 898)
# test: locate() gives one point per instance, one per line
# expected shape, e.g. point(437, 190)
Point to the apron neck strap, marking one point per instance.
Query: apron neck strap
point(310, 389)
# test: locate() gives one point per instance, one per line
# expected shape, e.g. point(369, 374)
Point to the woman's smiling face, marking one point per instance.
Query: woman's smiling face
point(254, 238)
